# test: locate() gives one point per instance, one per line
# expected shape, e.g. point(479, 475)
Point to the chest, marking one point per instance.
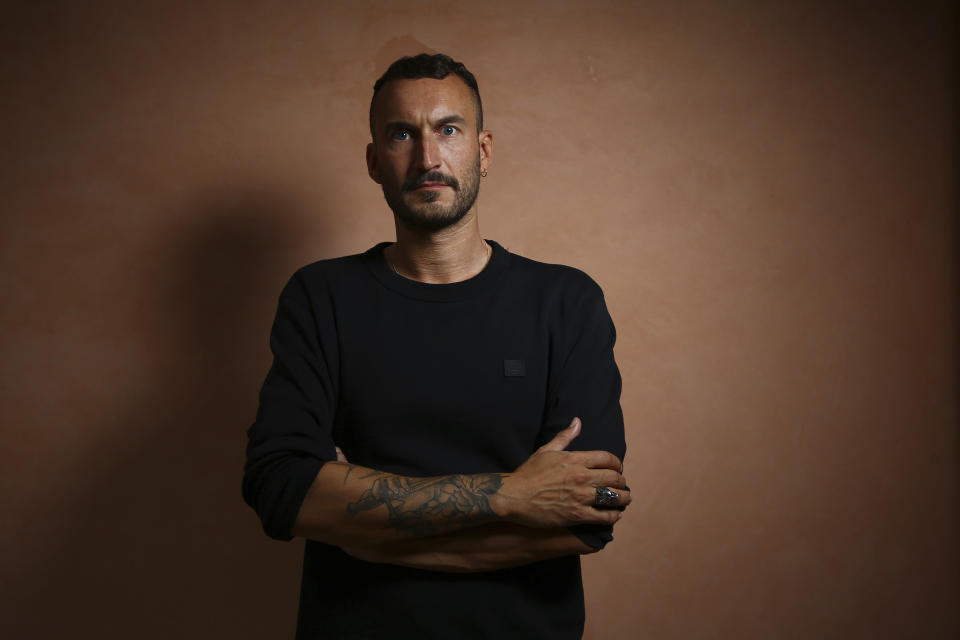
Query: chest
point(433, 388)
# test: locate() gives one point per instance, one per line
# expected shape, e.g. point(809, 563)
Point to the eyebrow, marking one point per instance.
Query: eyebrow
point(400, 124)
point(451, 120)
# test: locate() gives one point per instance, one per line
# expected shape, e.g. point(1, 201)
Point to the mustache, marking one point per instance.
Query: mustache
point(431, 176)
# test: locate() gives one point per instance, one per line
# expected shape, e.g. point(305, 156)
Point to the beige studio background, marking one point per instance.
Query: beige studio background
point(765, 190)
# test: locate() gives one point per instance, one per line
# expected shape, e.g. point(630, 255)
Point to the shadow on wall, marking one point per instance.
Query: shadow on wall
point(156, 541)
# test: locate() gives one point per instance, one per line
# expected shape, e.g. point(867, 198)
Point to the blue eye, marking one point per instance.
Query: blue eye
point(448, 130)
point(401, 135)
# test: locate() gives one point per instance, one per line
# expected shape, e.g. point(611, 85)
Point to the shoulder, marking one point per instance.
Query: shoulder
point(332, 269)
point(329, 276)
point(569, 301)
point(317, 294)
point(558, 281)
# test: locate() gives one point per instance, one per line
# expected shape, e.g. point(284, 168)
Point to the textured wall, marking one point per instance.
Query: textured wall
point(766, 192)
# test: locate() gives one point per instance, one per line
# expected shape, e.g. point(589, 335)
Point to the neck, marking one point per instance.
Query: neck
point(452, 254)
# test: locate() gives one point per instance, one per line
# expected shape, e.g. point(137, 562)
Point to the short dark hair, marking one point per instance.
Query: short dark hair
point(437, 66)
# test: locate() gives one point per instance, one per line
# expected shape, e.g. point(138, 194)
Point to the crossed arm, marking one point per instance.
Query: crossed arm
point(482, 548)
point(464, 522)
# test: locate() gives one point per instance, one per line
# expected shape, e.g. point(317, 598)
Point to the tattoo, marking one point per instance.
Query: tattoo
point(350, 467)
point(428, 506)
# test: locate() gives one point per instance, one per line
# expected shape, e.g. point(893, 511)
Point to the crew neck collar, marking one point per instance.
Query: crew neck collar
point(449, 292)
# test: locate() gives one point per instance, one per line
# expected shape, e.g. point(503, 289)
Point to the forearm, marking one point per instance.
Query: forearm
point(349, 504)
point(482, 548)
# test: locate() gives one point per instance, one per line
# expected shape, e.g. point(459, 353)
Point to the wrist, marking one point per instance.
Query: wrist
point(500, 502)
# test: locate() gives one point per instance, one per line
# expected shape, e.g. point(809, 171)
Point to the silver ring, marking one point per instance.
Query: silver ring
point(606, 497)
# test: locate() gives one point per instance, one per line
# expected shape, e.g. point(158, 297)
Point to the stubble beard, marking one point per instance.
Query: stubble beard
point(428, 214)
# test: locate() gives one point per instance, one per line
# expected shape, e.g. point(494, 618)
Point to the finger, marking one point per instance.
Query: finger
point(608, 478)
point(623, 499)
point(592, 515)
point(598, 460)
point(564, 438)
point(590, 479)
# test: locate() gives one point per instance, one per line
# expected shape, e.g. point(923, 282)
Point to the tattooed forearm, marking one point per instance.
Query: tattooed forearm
point(428, 506)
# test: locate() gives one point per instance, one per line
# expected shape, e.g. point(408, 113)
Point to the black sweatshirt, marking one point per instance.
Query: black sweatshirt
point(431, 379)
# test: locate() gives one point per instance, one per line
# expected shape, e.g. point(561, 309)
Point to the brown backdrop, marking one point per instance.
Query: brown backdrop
point(765, 190)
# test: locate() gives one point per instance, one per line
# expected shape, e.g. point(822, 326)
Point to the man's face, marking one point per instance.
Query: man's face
point(427, 155)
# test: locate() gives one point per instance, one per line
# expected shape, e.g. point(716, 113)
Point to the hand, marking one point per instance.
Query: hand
point(557, 488)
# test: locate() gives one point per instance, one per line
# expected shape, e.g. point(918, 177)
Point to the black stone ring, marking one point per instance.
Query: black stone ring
point(606, 497)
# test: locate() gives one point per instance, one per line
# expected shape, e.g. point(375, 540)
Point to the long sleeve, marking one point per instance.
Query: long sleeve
point(292, 438)
point(585, 382)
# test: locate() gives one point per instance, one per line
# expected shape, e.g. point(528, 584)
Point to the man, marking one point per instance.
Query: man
point(473, 395)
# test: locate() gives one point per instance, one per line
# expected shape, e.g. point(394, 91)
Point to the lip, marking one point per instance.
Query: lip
point(431, 186)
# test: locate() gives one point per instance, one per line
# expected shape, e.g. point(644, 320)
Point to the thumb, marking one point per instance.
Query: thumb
point(564, 438)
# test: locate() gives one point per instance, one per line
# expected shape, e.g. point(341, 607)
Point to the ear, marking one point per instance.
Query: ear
point(372, 163)
point(486, 149)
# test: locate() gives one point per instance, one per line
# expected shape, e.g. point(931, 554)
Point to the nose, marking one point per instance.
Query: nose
point(428, 153)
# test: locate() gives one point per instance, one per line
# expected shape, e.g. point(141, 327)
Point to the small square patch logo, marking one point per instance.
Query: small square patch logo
point(514, 368)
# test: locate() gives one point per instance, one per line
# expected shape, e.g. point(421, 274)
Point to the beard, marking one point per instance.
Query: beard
point(426, 212)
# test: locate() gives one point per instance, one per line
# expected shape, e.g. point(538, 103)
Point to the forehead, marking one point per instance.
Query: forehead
point(423, 99)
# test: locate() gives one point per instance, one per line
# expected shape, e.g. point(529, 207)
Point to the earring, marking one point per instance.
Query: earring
point(483, 174)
